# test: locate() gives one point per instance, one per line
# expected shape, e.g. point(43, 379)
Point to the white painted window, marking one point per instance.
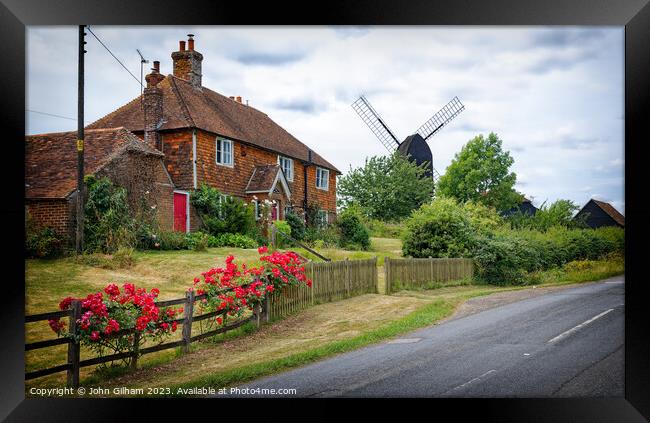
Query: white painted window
point(287, 167)
point(322, 178)
point(322, 218)
point(256, 203)
point(224, 152)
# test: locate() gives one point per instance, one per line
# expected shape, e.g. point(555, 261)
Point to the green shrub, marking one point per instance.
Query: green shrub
point(354, 235)
point(326, 237)
point(197, 241)
point(380, 229)
point(283, 227)
point(42, 242)
point(232, 240)
point(297, 226)
point(123, 258)
point(172, 240)
point(220, 213)
point(441, 228)
point(515, 256)
point(108, 222)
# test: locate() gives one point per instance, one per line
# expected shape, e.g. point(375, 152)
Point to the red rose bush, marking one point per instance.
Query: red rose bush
point(111, 319)
point(249, 285)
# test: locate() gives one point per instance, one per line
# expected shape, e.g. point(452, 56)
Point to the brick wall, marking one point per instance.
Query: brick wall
point(53, 213)
point(233, 180)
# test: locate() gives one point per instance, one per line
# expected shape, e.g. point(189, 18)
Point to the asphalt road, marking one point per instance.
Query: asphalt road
point(567, 343)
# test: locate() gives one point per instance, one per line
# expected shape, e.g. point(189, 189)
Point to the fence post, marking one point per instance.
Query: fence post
point(136, 350)
point(267, 308)
point(73, 347)
point(313, 284)
point(187, 323)
point(375, 275)
point(387, 275)
point(347, 277)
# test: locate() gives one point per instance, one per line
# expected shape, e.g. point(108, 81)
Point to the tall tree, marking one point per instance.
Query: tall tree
point(386, 187)
point(481, 172)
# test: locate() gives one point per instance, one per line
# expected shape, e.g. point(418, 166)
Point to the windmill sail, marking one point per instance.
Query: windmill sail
point(440, 119)
point(375, 123)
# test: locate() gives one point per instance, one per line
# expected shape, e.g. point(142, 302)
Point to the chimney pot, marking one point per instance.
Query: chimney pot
point(190, 42)
point(238, 99)
point(232, 97)
point(156, 66)
point(181, 45)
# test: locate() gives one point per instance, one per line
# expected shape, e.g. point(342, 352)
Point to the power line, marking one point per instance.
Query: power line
point(50, 114)
point(114, 57)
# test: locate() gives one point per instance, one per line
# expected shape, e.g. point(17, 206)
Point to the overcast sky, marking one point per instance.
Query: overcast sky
point(554, 95)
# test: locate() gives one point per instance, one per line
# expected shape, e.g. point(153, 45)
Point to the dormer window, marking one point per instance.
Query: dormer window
point(224, 152)
point(287, 167)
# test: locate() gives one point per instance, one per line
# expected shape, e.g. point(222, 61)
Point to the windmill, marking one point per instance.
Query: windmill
point(414, 146)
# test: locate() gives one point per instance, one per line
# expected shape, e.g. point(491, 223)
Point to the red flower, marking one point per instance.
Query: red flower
point(94, 336)
point(63, 305)
point(263, 249)
point(112, 290)
point(219, 320)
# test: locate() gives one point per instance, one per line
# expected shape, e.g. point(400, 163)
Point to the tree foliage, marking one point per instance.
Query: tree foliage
point(558, 213)
point(481, 172)
point(387, 188)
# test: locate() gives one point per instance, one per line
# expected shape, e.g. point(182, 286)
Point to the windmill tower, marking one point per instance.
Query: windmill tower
point(414, 146)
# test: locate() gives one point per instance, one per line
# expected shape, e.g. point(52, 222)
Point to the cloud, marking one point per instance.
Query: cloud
point(351, 31)
point(563, 37)
point(267, 58)
point(304, 105)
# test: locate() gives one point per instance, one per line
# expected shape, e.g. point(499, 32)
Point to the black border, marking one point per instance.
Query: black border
point(634, 14)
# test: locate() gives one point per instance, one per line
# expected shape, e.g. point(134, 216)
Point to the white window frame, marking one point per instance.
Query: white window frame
point(319, 177)
point(323, 218)
point(257, 209)
point(217, 151)
point(287, 175)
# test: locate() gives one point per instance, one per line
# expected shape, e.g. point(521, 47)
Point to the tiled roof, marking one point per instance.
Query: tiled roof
point(262, 178)
point(611, 211)
point(51, 159)
point(185, 106)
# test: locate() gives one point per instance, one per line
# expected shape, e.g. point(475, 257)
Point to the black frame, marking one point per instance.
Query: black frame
point(634, 14)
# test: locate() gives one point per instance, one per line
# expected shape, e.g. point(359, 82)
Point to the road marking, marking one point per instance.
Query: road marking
point(474, 380)
point(526, 354)
point(617, 282)
point(575, 328)
point(404, 341)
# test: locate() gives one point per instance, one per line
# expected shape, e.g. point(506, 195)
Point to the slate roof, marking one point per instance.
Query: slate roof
point(51, 159)
point(187, 107)
point(611, 211)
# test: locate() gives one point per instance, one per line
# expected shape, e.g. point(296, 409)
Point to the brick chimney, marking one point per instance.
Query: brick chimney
point(187, 63)
point(152, 103)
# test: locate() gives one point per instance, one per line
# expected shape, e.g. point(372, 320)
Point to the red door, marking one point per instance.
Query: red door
point(180, 212)
point(274, 212)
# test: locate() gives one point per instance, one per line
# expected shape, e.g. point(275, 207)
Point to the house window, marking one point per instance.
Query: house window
point(287, 167)
point(321, 218)
point(287, 210)
point(322, 178)
point(224, 152)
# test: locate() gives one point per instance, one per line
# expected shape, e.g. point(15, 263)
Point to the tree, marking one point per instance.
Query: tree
point(559, 213)
point(387, 188)
point(480, 172)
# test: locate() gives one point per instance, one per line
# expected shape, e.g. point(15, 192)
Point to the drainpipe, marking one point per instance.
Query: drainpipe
point(194, 157)
point(305, 179)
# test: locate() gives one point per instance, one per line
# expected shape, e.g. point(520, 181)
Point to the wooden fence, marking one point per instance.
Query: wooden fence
point(331, 281)
point(418, 272)
point(74, 362)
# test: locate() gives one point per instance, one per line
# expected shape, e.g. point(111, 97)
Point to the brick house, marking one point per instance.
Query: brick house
point(206, 137)
point(116, 153)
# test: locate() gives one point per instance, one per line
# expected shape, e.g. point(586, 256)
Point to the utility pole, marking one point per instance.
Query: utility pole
point(80, 143)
